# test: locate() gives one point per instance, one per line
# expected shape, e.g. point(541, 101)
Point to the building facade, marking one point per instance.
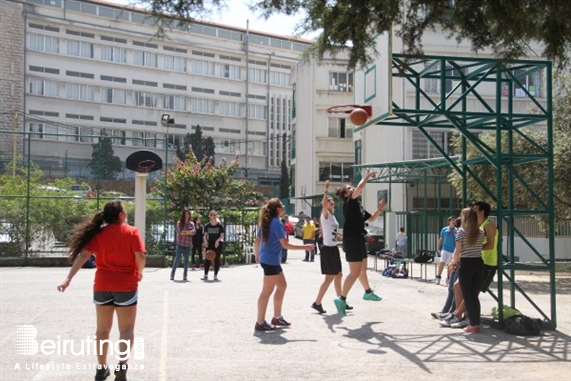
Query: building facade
point(78, 69)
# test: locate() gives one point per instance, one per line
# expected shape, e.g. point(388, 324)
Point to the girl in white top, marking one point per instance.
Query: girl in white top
point(330, 257)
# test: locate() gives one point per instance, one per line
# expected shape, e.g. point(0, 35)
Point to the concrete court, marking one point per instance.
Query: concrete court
point(205, 331)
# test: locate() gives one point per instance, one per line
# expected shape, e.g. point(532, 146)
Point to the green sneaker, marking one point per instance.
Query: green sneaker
point(340, 305)
point(372, 296)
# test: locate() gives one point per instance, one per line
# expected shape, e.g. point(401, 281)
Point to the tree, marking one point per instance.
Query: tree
point(507, 27)
point(284, 181)
point(104, 164)
point(201, 146)
point(534, 173)
point(193, 182)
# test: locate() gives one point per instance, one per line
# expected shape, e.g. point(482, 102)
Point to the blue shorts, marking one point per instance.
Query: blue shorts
point(271, 269)
point(113, 298)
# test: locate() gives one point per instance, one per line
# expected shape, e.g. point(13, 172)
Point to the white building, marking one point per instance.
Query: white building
point(90, 67)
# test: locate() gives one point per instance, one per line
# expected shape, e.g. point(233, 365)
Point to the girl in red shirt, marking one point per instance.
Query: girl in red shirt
point(120, 259)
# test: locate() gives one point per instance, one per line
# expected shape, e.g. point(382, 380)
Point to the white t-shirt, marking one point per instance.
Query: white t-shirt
point(329, 227)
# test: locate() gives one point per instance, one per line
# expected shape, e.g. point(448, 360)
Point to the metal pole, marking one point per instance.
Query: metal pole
point(14, 143)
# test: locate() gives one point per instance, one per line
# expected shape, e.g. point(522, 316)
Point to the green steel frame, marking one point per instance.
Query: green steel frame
point(469, 110)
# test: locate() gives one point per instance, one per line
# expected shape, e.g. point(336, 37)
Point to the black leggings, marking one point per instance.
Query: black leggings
point(216, 261)
point(471, 274)
point(196, 251)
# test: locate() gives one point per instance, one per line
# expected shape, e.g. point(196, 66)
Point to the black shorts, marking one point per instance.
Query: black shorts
point(271, 269)
point(330, 260)
point(489, 273)
point(354, 248)
point(115, 298)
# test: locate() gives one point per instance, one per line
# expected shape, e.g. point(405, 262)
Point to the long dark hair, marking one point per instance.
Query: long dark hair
point(340, 193)
point(86, 230)
point(268, 211)
point(182, 220)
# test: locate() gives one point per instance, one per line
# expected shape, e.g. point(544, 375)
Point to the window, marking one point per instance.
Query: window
point(147, 59)
point(113, 54)
point(257, 111)
point(230, 109)
point(44, 87)
point(144, 99)
point(531, 82)
point(423, 149)
point(202, 106)
point(79, 49)
point(79, 92)
point(230, 71)
point(116, 96)
point(337, 172)
point(339, 128)
point(43, 131)
point(174, 102)
point(41, 43)
point(86, 134)
point(341, 81)
point(280, 79)
point(175, 63)
point(432, 85)
point(258, 75)
point(203, 67)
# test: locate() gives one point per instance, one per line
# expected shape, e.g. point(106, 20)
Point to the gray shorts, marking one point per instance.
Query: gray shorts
point(115, 298)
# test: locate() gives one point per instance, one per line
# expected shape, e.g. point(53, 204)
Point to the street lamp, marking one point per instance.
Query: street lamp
point(167, 121)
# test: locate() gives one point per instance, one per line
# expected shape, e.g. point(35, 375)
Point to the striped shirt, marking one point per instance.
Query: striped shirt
point(470, 251)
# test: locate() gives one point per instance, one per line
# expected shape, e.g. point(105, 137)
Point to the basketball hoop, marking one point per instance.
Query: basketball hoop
point(145, 166)
point(347, 109)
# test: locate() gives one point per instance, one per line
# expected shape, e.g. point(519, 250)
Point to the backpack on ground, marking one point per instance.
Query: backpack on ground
point(523, 326)
point(424, 256)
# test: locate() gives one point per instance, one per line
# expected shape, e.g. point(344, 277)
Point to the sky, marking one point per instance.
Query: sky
point(237, 13)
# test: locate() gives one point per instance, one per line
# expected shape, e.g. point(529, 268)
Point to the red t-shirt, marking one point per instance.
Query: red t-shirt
point(114, 249)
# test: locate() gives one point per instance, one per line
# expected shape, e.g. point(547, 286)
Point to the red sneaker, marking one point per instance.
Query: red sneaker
point(472, 329)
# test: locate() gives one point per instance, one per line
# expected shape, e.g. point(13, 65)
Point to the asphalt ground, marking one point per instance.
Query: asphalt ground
point(199, 330)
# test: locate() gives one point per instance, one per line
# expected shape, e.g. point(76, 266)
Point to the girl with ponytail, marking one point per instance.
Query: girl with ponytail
point(270, 240)
point(120, 259)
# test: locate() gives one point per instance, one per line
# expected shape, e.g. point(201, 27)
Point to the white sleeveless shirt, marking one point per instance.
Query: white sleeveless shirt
point(329, 229)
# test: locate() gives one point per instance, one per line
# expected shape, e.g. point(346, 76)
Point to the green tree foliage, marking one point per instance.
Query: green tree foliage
point(534, 174)
point(104, 164)
point(201, 146)
point(195, 183)
point(284, 181)
point(507, 27)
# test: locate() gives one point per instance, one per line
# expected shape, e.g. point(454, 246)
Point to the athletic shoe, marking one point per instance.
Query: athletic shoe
point(215, 277)
point(340, 305)
point(264, 327)
point(461, 324)
point(348, 307)
point(446, 322)
point(439, 315)
point(102, 374)
point(121, 372)
point(447, 280)
point(281, 322)
point(372, 296)
point(172, 277)
point(472, 329)
point(204, 277)
point(318, 308)
point(438, 279)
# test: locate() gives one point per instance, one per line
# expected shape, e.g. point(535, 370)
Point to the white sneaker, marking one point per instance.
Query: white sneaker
point(461, 324)
point(204, 277)
point(438, 279)
point(215, 277)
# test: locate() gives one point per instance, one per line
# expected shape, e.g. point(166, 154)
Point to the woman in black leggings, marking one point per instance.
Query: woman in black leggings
point(197, 243)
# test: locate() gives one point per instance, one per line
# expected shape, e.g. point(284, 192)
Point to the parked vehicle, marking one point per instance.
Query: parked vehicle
point(81, 190)
point(291, 222)
point(114, 195)
point(374, 239)
point(298, 226)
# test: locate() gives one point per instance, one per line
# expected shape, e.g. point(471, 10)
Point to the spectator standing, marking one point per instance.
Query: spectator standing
point(490, 248)
point(213, 240)
point(446, 245)
point(197, 243)
point(185, 231)
point(401, 242)
point(287, 228)
point(308, 236)
point(120, 262)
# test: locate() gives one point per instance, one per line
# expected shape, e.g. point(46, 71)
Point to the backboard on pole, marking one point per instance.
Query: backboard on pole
point(373, 84)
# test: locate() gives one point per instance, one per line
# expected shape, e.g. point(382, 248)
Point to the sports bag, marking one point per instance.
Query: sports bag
point(424, 256)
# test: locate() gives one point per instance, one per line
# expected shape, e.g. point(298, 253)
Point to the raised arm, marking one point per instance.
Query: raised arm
point(324, 203)
point(359, 189)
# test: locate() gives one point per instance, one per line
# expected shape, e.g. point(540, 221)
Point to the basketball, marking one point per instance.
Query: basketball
point(358, 116)
point(210, 255)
